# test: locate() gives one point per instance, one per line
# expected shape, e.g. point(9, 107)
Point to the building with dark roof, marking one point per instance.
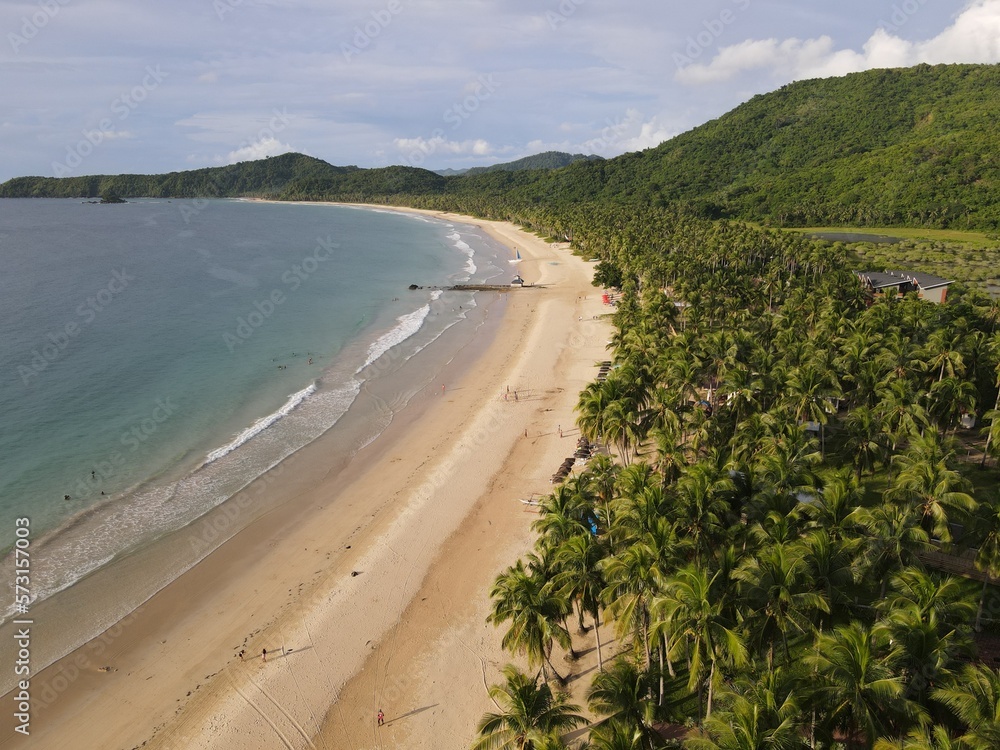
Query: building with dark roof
point(928, 287)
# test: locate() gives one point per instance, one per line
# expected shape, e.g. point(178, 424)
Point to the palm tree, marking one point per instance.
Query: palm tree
point(622, 694)
point(535, 613)
point(927, 483)
point(927, 652)
point(614, 735)
point(700, 507)
point(857, 682)
point(866, 441)
point(580, 578)
point(633, 580)
point(760, 715)
point(895, 536)
point(565, 513)
point(974, 697)
point(936, 738)
point(690, 612)
point(776, 586)
point(532, 716)
point(988, 554)
point(831, 508)
point(943, 354)
point(810, 391)
point(944, 602)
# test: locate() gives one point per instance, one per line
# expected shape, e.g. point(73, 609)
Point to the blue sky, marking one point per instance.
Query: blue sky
point(108, 86)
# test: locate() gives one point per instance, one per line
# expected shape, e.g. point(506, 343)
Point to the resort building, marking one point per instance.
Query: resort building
point(928, 287)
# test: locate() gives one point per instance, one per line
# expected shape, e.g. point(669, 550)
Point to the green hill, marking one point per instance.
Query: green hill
point(286, 176)
point(901, 147)
point(884, 147)
point(544, 160)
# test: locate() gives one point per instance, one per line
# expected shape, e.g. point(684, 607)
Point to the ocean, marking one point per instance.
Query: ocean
point(157, 356)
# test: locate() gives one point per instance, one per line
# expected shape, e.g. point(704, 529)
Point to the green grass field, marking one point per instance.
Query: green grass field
point(951, 236)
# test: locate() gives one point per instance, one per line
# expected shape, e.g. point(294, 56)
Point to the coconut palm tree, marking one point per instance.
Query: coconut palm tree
point(566, 512)
point(535, 612)
point(700, 508)
point(581, 579)
point(622, 694)
point(865, 439)
point(758, 714)
point(633, 579)
point(531, 716)
point(988, 553)
point(895, 536)
point(926, 483)
point(693, 615)
point(935, 738)
point(776, 587)
point(809, 394)
point(857, 683)
point(974, 697)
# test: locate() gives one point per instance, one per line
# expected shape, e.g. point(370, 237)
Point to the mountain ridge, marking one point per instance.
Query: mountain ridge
point(890, 147)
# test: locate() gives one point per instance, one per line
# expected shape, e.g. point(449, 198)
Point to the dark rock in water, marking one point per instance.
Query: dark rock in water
point(413, 286)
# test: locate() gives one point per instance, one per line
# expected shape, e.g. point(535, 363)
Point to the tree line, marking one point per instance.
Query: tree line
point(785, 455)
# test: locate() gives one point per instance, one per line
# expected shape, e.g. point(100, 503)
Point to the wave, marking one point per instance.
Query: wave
point(261, 424)
point(406, 326)
point(470, 265)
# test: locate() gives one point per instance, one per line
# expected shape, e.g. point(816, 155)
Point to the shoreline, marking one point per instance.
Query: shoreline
point(285, 582)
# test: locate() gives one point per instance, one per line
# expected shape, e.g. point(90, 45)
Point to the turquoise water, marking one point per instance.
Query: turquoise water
point(157, 356)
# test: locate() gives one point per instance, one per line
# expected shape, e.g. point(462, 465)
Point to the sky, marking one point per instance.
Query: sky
point(112, 86)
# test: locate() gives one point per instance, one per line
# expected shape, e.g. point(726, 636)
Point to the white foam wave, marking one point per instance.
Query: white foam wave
point(470, 265)
point(261, 424)
point(406, 326)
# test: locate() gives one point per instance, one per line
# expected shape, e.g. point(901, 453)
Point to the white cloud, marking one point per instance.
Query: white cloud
point(973, 37)
point(631, 132)
point(413, 148)
point(258, 150)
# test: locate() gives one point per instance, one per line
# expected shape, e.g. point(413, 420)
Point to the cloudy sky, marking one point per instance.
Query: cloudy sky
point(108, 86)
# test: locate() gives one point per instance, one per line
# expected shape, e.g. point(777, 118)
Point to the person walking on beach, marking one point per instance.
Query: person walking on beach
point(263, 655)
point(381, 717)
point(242, 654)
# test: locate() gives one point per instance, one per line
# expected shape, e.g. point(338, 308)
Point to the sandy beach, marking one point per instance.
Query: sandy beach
point(370, 590)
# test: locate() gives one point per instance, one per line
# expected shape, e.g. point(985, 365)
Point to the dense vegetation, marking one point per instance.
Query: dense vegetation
point(791, 468)
point(545, 160)
point(903, 147)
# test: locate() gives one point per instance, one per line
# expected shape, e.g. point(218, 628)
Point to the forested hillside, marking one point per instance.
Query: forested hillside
point(902, 147)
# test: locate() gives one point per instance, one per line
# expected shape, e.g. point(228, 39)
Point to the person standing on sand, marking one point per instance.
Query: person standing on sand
point(381, 717)
point(263, 655)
